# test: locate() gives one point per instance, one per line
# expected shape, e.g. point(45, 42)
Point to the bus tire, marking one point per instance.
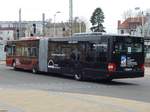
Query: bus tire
point(108, 80)
point(14, 65)
point(78, 77)
point(34, 70)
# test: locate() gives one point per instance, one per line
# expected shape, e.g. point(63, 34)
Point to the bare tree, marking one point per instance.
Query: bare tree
point(128, 14)
point(148, 12)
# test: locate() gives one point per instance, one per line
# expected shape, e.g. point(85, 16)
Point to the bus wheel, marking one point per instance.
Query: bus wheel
point(34, 70)
point(14, 65)
point(78, 77)
point(108, 80)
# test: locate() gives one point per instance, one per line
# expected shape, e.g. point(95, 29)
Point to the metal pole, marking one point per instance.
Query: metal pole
point(142, 23)
point(20, 27)
point(54, 24)
point(80, 27)
point(71, 14)
point(70, 10)
point(43, 17)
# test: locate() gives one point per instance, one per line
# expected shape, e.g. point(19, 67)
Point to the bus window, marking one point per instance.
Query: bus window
point(34, 52)
point(10, 50)
point(18, 51)
point(129, 48)
point(75, 54)
point(97, 52)
point(101, 52)
point(137, 48)
point(100, 47)
point(22, 51)
point(26, 53)
point(89, 52)
point(29, 51)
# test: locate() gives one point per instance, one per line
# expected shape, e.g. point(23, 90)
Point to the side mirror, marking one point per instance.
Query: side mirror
point(5, 48)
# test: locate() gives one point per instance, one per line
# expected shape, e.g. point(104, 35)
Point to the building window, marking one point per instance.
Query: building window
point(122, 31)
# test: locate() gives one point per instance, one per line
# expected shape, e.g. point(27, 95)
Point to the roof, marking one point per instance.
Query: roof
point(132, 20)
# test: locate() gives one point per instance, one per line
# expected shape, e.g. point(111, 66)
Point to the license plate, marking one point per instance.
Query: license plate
point(128, 69)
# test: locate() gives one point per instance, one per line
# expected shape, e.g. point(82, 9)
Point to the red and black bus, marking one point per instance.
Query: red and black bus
point(86, 55)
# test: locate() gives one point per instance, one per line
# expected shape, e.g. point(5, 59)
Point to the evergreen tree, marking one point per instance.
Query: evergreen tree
point(97, 19)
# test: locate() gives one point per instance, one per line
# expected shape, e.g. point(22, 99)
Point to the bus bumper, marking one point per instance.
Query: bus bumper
point(100, 74)
point(129, 74)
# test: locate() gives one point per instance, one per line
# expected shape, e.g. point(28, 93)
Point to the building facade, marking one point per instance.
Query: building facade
point(38, 28)
point(130, 25)
point(10, 30)
point(26, 28)
point(64, 29)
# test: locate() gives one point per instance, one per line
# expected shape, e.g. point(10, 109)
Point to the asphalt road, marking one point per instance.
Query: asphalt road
point(135, 89)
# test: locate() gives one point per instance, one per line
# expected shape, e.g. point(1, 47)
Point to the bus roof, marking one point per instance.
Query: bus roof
point(89, 37)
point(77, 37)
point(103, 34)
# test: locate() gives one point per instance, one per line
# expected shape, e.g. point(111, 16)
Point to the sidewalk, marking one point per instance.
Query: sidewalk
point(43, 101)
point(147, 70)
point(2, 62)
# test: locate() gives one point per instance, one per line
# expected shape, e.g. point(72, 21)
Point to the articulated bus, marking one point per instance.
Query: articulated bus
point(86, 55)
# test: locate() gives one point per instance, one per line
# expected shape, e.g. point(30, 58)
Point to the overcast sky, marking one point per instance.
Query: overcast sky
point(33, 9)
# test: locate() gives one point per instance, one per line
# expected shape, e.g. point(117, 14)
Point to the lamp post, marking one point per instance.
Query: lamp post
point(142, 23)
point(55, 21)
point(20, 25)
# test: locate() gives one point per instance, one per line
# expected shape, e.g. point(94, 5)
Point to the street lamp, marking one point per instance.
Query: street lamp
point(55, 21)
